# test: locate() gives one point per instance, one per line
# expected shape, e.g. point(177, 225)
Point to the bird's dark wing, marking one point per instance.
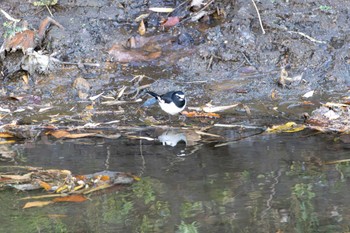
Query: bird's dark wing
point(168, 97)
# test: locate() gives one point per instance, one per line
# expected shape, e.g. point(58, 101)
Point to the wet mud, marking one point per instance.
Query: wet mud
point(224, 57)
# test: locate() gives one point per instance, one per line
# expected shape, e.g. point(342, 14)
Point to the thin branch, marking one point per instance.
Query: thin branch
point(9, 17)
point(309, 37)
point(257, 11)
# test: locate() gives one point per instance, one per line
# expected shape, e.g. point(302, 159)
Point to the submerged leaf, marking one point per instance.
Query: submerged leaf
point(289, 127)
point(71, 198)
point(36, 204)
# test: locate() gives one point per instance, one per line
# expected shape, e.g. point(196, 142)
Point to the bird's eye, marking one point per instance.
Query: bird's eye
point(180, 96)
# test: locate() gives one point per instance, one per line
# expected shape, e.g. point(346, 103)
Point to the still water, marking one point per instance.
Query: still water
point(265, 183)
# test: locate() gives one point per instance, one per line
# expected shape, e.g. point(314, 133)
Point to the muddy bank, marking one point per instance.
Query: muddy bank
point(225, 59)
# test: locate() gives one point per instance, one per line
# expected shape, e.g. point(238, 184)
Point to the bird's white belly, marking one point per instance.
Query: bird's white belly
point(171, 108)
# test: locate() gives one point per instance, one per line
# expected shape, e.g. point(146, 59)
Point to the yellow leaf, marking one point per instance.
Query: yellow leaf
point(36, 204)
point(6, 135)
point(7, 142)
point(142, 28)
point(137, 178)
point(62, 188)
point(289, 127)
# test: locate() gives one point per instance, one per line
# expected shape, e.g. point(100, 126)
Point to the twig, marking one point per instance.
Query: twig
point(47, 7)
point(239, 126)
point(9, 17)
point(257, 11)
point(78, 63)
point(309, 37)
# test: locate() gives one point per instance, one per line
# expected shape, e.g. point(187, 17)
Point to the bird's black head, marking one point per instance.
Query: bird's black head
point(179, 95)
point(179, 98)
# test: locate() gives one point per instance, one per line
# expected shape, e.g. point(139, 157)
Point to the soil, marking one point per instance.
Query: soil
point(224, 58)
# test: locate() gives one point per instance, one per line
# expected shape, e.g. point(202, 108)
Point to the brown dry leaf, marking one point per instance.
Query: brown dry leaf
point(58, 133)
point(105, 178)
point(19, 178)
point(21, 40)
point(80, 177)
point(25, 79)
point(289, 127)
point(71, 198)
point(57, 172)
point(6, 135)
point(80, 135)
point(7, 142)
point(66, 134)
point(171, 21)
point(142, 28)
point(36, 204)
point(45, 185)
point(200, 114)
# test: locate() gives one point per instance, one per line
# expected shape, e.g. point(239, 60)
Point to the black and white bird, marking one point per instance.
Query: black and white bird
point(172, 102)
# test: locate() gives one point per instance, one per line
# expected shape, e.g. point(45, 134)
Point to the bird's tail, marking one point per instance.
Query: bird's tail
point(155, 95)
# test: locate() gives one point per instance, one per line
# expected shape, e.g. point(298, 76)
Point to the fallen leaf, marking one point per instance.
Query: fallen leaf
point(18, 178)
point(309, 94)
point(58, 133)
point(6, 135)
point(331, 115)
point(209, 108)
point(200, 114)
point(171, 21)
point(162, 9)
point(45, 3)
point(70, 198)
point(141, 17)
point(25, 79)
point(142, 28)
point(289, 127)
point(196, 2)
point(66, 134)
point(36, 204)
point(45, 185)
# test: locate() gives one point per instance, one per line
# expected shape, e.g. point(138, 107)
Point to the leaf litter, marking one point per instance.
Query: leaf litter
point(61, 185)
